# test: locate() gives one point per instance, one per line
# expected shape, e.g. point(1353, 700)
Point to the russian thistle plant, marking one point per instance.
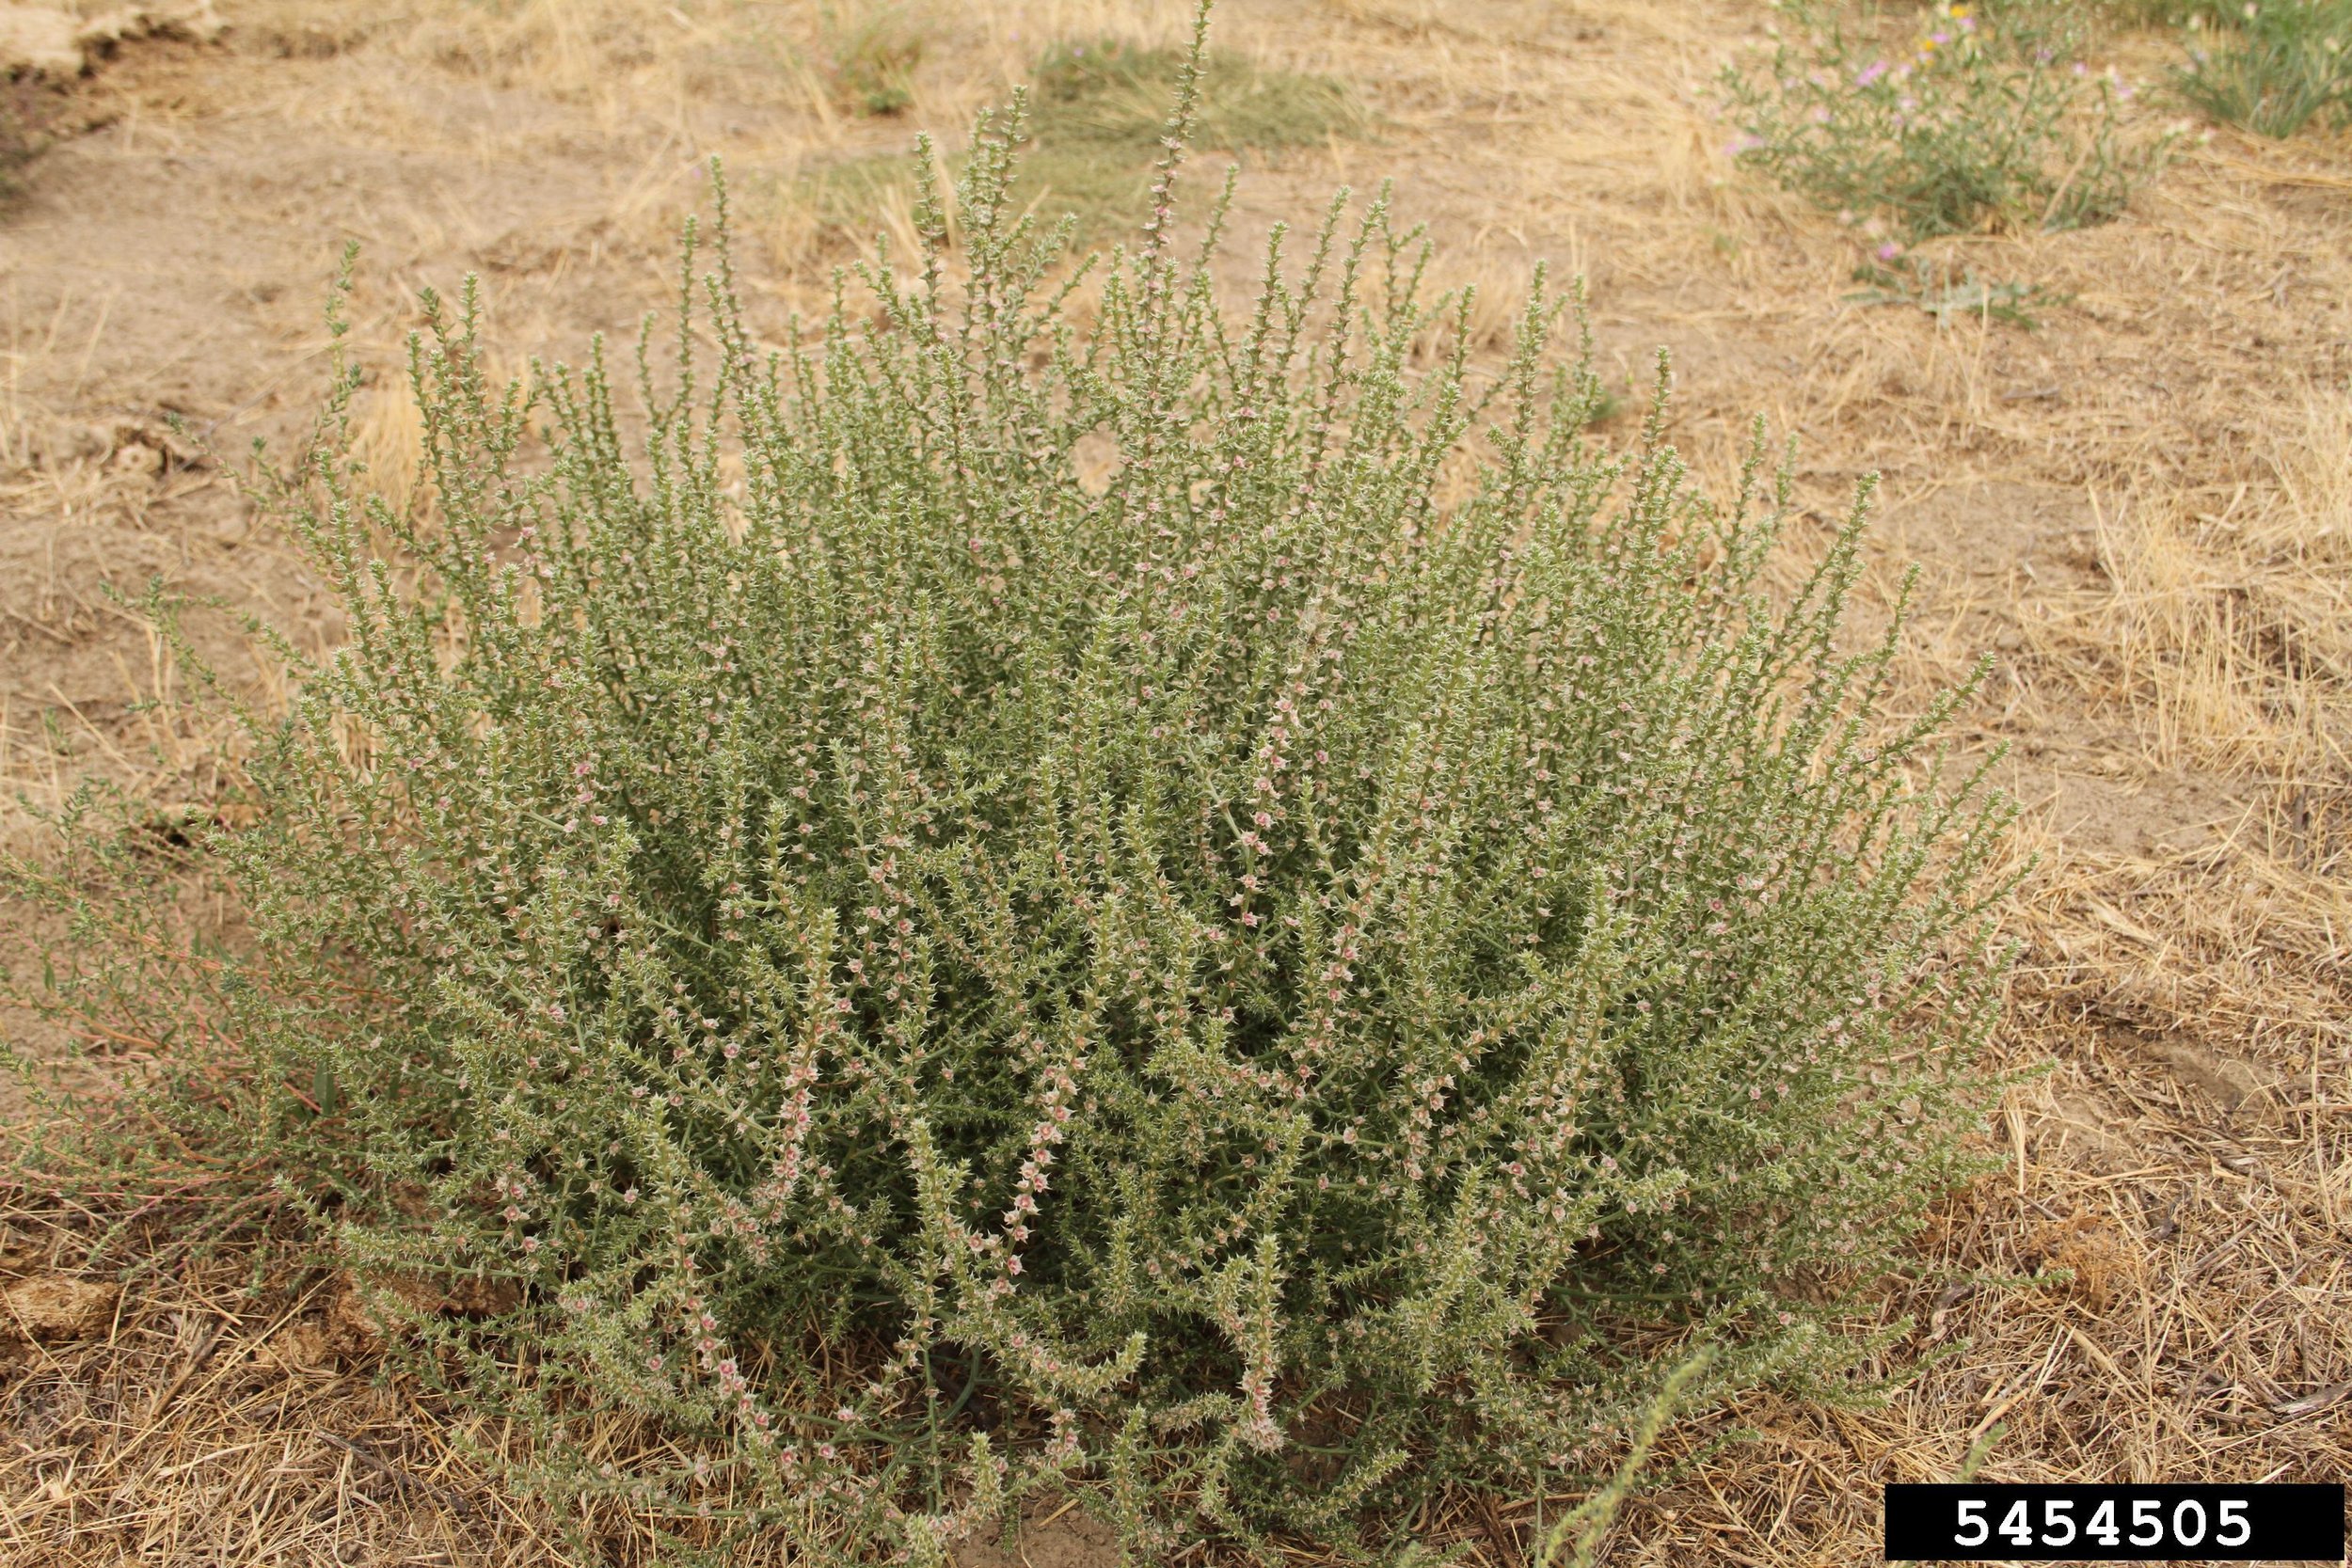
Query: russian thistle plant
point(1183, 912)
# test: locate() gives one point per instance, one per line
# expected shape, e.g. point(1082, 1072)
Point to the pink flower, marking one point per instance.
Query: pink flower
point(1870, 73)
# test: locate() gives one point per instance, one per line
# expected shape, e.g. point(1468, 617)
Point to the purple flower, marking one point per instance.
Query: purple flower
point(1870, 73)
point(1889, 252)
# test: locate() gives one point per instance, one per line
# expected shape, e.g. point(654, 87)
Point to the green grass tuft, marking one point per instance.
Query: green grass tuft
point(2272, 67)
point(874, 57)
point(24, 111)
point(1099, 110)
point(1095, 120)
point(2158, 13)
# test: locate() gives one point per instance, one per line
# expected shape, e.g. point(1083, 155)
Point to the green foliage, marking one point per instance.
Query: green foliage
point(844, 196)
point(1962, 120)
point(1951, 293)
point(1116, 94)
point(2273, 66)
point(1099, 110)
point(23, 134)
point(874, 57)
point(2157, 13)
point(1299, 958)
point(1587, 1526)
point(1097, 117)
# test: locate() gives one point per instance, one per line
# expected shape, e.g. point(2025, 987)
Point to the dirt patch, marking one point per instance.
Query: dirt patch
point(1059, 1537)
point(57, 1307)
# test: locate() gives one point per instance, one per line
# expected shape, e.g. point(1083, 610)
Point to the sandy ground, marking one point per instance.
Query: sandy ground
point(2143, 509)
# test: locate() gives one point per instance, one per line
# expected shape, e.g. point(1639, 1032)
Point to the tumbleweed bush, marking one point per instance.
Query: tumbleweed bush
point(1303, 957)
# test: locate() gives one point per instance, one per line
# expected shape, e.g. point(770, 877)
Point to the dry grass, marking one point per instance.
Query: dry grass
point(219, 1430)
point(2145, 509)
point(2220, 624)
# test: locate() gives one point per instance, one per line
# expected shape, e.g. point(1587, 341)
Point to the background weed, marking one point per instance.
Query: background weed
point(874, 51)
point(1096, 119)
point(2273, 66)
point(1958, 119)
point(1950, 293)
point(25, 106)
point(844, 204)
point(1100, 108)
point(2158, 13)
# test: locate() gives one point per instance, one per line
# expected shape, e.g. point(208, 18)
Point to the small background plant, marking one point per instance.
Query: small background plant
point(2156, 14)
point(875, 51)
point(1096, 118)
point(1099, 110)
point(2272, 66)
point(1948, 121)
point(1950, 292)
point(26, 108)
